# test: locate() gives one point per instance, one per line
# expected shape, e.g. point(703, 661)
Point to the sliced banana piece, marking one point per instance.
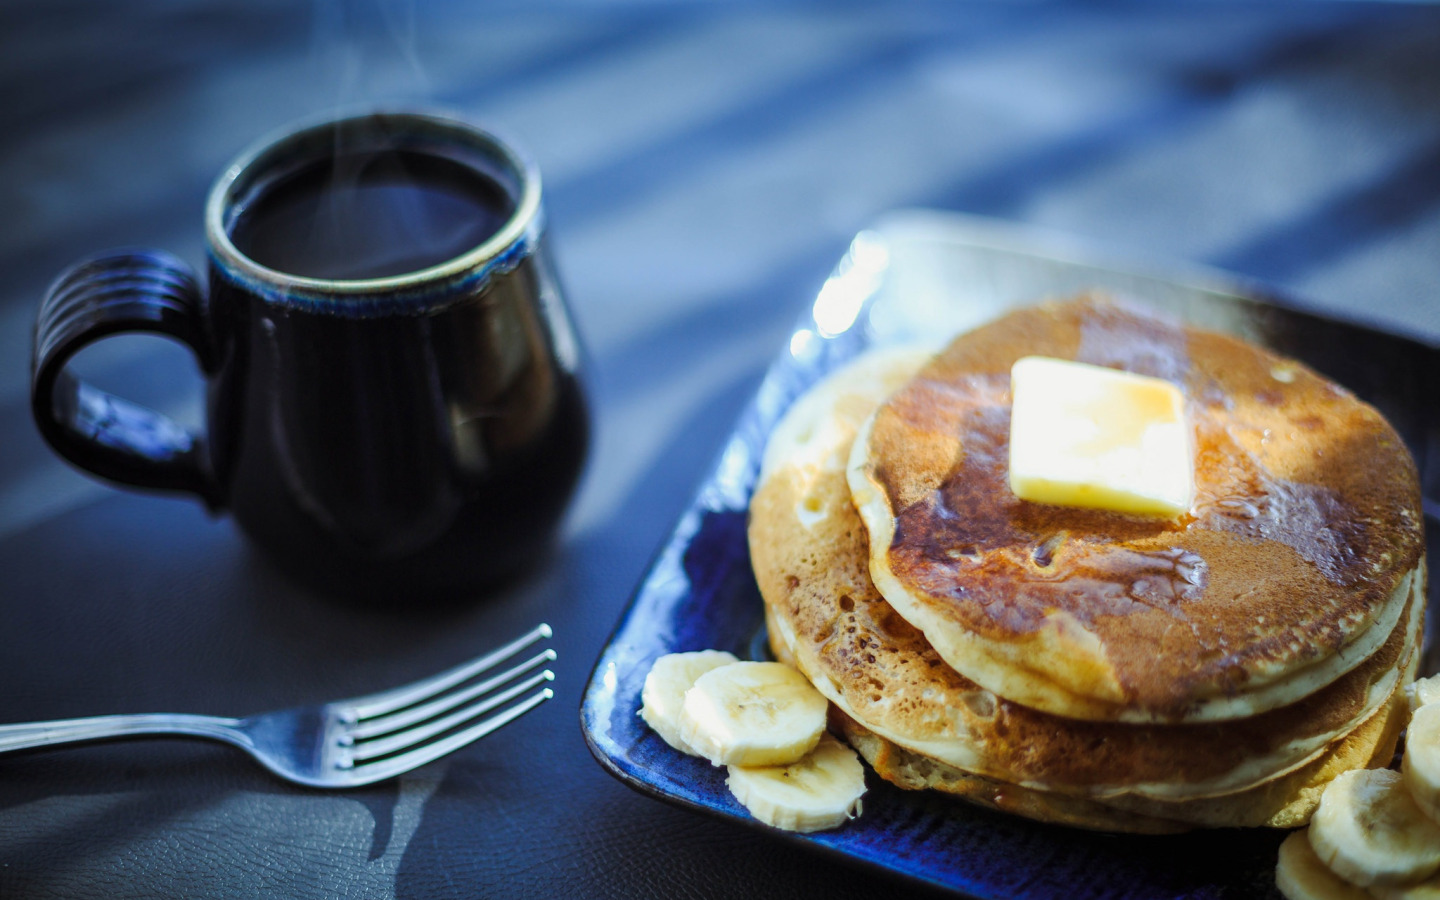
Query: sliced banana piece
point(1422, 692)
point(1300, 875)
point(1369, 831)
point(822, 790)
point(752, 714)
point(665, 685)
point(1421, 762)
point(1425, 890)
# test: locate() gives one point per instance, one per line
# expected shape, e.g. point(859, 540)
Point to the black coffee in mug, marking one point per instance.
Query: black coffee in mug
point(394, 407)
point(369, 215)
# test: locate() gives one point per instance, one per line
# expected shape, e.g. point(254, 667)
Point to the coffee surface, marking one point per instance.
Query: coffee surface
point(372, 215)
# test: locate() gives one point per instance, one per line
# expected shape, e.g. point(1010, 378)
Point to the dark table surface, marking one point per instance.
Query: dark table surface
point(706, 164)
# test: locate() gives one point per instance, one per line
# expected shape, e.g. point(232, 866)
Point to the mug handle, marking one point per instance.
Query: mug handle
point(144, 291)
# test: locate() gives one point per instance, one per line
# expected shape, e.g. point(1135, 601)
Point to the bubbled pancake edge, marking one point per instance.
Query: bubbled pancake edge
point(1290, 800)
point(912, 772)
point(977, 757)
point(814, 431)
point(1283, 803)
point(1062, 666)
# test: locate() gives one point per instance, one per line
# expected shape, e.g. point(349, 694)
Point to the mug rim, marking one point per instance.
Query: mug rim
point(519, 231)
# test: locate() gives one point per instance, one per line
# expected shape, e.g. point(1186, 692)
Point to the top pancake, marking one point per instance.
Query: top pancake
point(1287, 572)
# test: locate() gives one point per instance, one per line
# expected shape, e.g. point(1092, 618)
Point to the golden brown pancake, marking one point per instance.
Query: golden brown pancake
point(809, 556)
point(1284, 802)
point(1122, 764)
point(1291, 568)
point(914, 772)
point(1289, 801)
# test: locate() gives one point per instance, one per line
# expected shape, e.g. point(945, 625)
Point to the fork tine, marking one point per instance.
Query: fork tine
point(379, 704)
point(444, 702)
point(413, 736)
point(368, 773)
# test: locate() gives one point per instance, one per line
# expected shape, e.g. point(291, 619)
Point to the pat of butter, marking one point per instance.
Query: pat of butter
point(1083, 435)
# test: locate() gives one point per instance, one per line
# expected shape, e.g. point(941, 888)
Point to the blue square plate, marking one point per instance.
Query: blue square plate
point(919, 274)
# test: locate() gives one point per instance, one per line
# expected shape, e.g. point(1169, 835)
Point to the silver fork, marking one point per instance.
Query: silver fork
point(346, 743)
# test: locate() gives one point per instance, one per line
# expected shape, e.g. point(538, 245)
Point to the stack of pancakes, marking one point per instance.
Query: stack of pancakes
point(1081, 666)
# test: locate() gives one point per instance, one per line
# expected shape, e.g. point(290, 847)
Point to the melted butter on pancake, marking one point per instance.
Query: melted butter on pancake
point(1097, 437)
point(1303, 526)
point(972, 539)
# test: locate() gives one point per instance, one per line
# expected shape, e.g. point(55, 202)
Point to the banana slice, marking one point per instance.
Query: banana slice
point(1421, 762)
point(752, 714)
point(820, 791)
point(1300, 875)
point(1425, 890)
point(665, 685)
point(1369, 831)
point(1426, 690)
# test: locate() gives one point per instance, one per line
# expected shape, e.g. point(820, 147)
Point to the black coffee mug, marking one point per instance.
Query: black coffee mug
point(392, 377)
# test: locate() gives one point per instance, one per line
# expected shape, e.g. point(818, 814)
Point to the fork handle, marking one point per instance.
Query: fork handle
point(30, 735)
